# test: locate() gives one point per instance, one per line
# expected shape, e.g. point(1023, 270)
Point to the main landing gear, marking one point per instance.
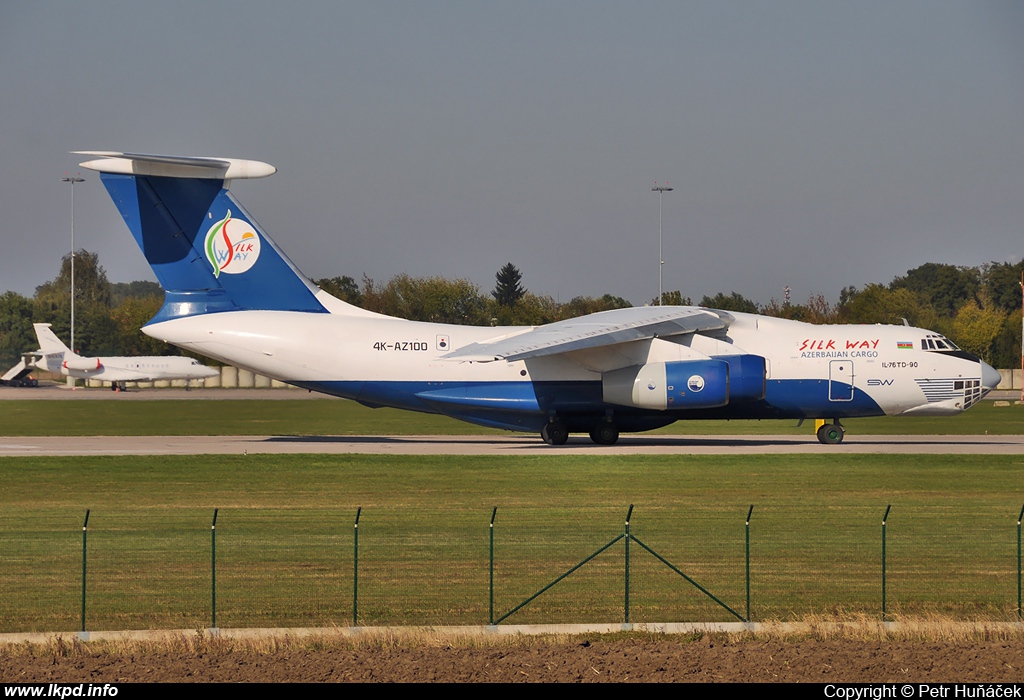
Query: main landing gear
point(831, 433)
point(605, 434)
point(556, 433)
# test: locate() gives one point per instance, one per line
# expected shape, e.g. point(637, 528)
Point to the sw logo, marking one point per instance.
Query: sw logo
point(232, 246)
point(880, 382)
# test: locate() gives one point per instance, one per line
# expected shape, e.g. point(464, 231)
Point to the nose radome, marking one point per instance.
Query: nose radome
point(989, 376)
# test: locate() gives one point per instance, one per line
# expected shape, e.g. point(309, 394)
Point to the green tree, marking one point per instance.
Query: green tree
point(52, 304)
point(976, 327)
point(91, 284)
point(816, 310)
point(877, 303)
point(1005, 348)
point(344, 288)
point(1002, 284)
point(139, 289)
point(434, 299)
point(946, 287)
point(581, 306)
point(507, 288)
point(16, 333)
point(129, 317)
point(673, 298)
point(733, 302)
point(530, 310)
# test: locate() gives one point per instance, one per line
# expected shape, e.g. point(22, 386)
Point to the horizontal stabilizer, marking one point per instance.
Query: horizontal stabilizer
point(206, 168)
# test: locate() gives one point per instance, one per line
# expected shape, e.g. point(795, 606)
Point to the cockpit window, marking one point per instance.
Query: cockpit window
point(938, 343)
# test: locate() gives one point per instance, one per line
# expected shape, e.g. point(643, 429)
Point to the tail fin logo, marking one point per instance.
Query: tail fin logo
point(232, 246)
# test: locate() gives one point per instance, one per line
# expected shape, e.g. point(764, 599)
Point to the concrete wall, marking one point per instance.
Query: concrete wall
point(1011, 379)
point(229, 378)
point(246, 379)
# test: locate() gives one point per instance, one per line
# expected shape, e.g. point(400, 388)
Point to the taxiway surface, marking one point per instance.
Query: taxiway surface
point(510, 445)
point(453, 444)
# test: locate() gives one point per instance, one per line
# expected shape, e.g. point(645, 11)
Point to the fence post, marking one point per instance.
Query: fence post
point(749, 512)
point(355, 571)
point(628, 516)
point(884, 519)
point(85, 530)
point(1019, 518)
point(490, 614)
point(213, 571)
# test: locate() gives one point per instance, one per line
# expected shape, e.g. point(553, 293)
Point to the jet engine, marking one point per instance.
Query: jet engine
point(83, 364)
point(747, 377)
point(686, 384)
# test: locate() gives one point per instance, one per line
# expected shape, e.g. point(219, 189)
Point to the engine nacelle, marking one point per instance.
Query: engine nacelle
point(83, 364)
point(747, 377)
point(669, 385)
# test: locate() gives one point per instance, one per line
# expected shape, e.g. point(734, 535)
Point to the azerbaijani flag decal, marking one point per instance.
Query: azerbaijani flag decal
point(904, 345)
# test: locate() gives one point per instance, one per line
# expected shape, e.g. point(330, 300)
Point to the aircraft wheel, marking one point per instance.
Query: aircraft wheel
point(831, 434)
point(554, 433)
point(605, 434)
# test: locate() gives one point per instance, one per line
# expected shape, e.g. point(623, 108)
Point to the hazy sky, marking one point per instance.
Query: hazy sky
point(815, 144)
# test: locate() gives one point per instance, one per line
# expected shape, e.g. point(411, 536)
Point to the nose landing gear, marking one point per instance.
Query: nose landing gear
point(831, 433)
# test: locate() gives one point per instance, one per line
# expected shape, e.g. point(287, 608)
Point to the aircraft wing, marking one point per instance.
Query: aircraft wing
point(594, 331)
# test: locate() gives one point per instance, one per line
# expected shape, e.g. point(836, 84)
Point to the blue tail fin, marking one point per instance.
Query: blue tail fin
point(207, 252)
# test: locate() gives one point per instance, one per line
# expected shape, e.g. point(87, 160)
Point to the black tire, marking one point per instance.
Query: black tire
point(831, 434)
point(605, 434)
point(554, 433)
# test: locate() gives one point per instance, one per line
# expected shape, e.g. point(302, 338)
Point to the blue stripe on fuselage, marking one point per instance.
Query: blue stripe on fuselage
point(527, 406)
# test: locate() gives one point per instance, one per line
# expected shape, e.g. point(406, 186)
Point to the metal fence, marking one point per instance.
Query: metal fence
point(292, 567)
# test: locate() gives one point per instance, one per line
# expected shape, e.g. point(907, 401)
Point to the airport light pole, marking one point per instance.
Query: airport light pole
point(661, 190)
point(67, 178)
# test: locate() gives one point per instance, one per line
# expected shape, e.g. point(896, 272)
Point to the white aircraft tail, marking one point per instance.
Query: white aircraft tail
point(49, 343)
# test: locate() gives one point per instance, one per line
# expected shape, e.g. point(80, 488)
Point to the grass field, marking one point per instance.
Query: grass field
point(339, 417)
point(285, 537)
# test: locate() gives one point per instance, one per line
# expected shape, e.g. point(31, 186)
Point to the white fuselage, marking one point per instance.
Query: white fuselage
point(124, 369)
point(811, 370)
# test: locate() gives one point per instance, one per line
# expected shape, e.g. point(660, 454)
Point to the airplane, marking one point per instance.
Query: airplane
point(233, 295)
point(57, 358)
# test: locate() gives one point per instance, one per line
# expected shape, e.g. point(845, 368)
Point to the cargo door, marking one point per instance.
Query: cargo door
point(840, 380)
